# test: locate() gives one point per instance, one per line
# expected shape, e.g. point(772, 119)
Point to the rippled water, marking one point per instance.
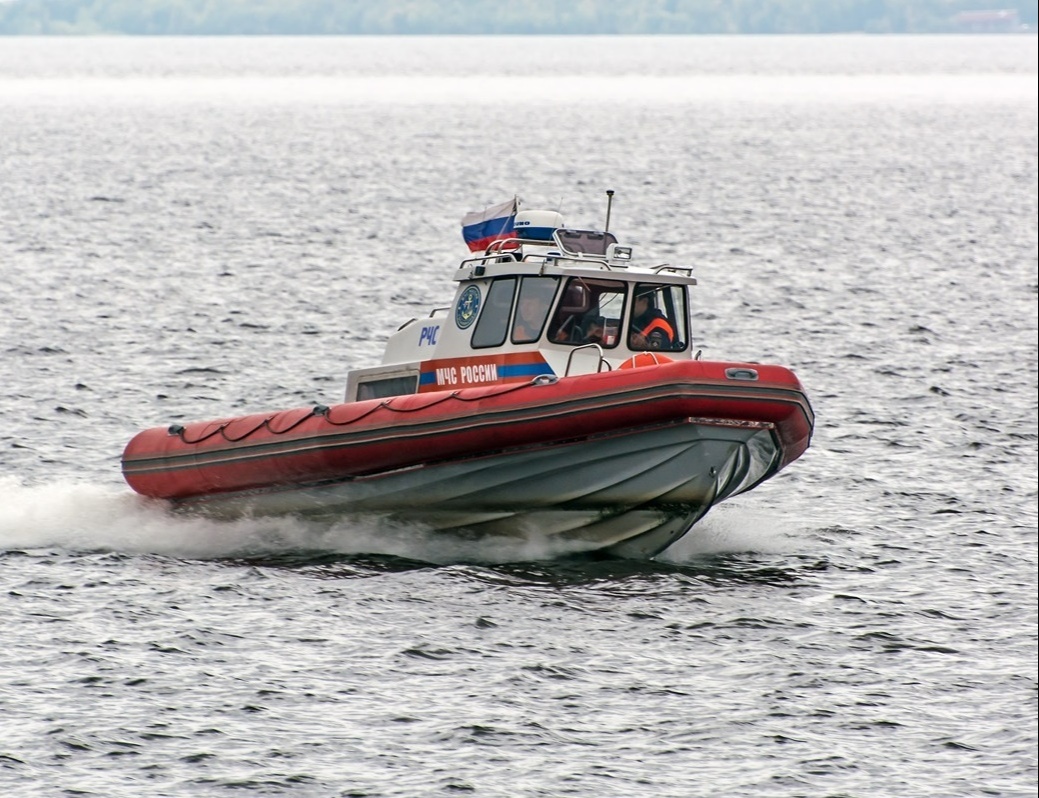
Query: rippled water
point(191, 228)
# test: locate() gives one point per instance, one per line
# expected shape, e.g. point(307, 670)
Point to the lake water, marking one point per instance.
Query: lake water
point(192, 228)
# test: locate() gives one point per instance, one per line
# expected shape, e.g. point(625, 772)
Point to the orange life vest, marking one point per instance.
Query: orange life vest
point(660, 323)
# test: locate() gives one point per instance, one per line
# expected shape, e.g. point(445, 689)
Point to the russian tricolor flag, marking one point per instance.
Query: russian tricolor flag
point(480, 228)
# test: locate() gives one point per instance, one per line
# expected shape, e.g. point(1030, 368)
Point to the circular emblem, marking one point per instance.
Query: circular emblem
point(468, 306)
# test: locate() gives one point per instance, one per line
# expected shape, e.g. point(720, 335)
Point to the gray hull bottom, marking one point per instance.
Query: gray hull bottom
point(628, 495)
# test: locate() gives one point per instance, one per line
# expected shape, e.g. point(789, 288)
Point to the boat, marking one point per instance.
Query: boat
point(559, 397)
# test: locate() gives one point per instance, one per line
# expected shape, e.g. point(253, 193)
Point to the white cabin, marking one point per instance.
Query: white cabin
point(551, 302)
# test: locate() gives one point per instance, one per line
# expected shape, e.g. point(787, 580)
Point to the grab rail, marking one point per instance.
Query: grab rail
point(602, 360)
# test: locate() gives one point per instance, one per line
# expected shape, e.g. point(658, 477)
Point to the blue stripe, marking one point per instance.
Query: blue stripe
point(524, 370)
point(504, 372)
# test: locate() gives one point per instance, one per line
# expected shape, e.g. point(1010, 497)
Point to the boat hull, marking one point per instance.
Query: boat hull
point(624, 462)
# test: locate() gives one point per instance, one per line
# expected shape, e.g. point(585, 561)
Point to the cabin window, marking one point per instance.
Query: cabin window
point(590, 312)
point(390, 386)
point(658, 318)
point(532, 307)
point(493, 325)
point(585, 242)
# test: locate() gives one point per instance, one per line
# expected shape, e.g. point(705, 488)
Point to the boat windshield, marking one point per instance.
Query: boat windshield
point(532, 307)
point(493, 325)
point(585, 242)
point(590, 311)
point(533, 298)
point(658, 318)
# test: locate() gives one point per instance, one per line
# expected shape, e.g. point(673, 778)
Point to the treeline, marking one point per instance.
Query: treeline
point(353, 17)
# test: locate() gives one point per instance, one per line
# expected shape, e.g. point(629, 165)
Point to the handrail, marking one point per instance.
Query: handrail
point(498, 245)
point(432, 313)
point(667, 267)
point(536, 257)
point(569, 259)
point(602, 360)
point(496, 256)
point(566, 260)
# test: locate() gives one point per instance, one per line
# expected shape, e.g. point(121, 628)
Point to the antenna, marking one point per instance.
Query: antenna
point(609, 205)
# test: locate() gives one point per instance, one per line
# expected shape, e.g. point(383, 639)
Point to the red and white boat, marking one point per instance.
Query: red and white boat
point(558, 398)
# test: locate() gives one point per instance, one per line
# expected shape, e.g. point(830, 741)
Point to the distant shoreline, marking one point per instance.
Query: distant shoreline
point(505, 35)
point(515, 18)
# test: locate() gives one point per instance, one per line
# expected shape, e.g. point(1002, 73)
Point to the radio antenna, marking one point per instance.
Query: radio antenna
point(609, 205)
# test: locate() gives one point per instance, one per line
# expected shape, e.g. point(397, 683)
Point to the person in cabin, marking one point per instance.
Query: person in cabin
point(590, 331)
point(530, 316)
point(650, 329)
point(593, 331)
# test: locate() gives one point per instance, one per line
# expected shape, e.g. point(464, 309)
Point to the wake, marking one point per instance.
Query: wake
point(83, 517)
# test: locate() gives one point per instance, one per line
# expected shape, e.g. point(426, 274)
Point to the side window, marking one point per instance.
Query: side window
point(591, 242)
point(590, 312)
point(386, 387)
point(658, 318)
point(532, 307)
point(493, 324)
